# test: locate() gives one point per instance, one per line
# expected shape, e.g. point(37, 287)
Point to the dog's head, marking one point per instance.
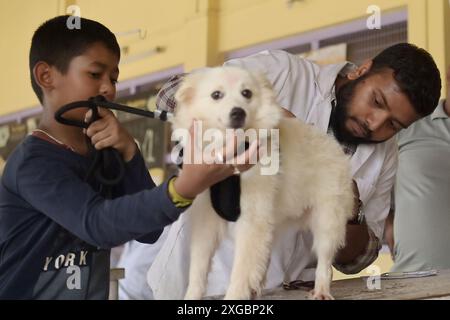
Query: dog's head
point(226, 97)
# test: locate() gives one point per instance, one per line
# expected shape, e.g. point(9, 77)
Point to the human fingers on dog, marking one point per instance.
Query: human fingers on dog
point(213, 157)
point(192, 149)
point(230, 148)
point(219, 172)
point(249, 158)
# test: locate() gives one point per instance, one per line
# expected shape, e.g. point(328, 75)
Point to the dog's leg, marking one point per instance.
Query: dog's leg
point(328, 227)
point(207, 230)
point(325, 253)
point(254, 236)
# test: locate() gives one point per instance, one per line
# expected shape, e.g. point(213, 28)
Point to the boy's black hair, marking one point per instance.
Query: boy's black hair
point(415, 72)
point(56, 44)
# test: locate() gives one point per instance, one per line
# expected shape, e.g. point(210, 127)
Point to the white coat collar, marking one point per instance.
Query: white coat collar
point(327, 75)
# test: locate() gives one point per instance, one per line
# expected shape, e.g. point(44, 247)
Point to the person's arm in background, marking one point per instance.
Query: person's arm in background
point(364, 241)
point(357, 237)
point(389, 233)
point(287, 113)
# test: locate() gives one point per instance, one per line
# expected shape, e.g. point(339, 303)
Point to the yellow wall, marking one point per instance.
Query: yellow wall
point(18, 19)
point(196, 33)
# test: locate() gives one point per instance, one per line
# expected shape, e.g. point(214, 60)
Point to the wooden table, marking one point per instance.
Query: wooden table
point(432, 287)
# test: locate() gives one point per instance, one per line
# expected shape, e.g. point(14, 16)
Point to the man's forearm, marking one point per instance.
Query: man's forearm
point(357, 240)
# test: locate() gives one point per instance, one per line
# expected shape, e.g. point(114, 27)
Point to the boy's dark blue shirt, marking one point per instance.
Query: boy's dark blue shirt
point(56, 230)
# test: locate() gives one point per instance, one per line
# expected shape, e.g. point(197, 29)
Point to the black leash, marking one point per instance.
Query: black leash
point(100, 101)
point(225, 195)
point(103, 159)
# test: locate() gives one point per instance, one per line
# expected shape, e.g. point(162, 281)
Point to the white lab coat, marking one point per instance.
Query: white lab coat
point(306, 90)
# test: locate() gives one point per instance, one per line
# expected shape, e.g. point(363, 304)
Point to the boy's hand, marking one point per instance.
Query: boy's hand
point(195, 178)
point(108, 132)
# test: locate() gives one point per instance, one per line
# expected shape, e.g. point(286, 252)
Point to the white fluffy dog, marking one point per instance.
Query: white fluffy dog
point(313, 186)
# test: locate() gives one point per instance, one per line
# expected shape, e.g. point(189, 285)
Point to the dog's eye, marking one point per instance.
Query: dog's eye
point(247, 93)
point(217, 95)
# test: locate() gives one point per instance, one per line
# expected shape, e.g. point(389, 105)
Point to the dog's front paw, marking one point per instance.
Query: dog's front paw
point(236, 296)
point(320, 295)
point(193, 294)
point(241, 295)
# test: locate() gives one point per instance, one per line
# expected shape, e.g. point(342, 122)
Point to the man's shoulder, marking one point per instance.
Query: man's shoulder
point(420, 129)
point(276, 53)
point(388, 148)
point(274, 59)
point(385, 154)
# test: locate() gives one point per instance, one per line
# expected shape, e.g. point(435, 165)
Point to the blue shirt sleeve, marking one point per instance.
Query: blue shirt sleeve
point(137, 178)
point(54, 189)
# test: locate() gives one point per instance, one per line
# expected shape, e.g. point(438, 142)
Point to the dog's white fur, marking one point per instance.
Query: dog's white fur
point(313, 187)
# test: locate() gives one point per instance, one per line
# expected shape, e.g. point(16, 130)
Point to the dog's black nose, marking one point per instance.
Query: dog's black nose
point(237, 117)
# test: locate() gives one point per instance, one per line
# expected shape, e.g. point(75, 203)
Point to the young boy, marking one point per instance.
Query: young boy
point(55, 229)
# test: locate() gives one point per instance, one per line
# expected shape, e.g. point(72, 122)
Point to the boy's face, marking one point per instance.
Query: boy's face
point(93, 73)
point(373, 109)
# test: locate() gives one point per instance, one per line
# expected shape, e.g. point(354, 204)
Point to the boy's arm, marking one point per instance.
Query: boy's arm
point(137, 178)
point(108, 132)
point(53, 188)
point(56, 191)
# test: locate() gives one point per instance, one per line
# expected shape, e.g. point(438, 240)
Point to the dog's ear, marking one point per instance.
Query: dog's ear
point(265, 86)
point(186, 92)
point(269, 110)
point(262, 79)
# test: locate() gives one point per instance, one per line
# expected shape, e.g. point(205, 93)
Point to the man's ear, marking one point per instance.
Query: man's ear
point(360, 71)
point(43, 75)
point(448, 76)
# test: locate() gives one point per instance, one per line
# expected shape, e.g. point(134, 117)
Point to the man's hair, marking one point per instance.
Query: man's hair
point(54, 43)
point(415, 72)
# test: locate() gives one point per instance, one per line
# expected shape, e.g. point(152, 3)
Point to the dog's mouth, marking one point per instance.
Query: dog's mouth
point(237, 118)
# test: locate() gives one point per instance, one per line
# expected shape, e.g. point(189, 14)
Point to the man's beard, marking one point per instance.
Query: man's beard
point(339, 116)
